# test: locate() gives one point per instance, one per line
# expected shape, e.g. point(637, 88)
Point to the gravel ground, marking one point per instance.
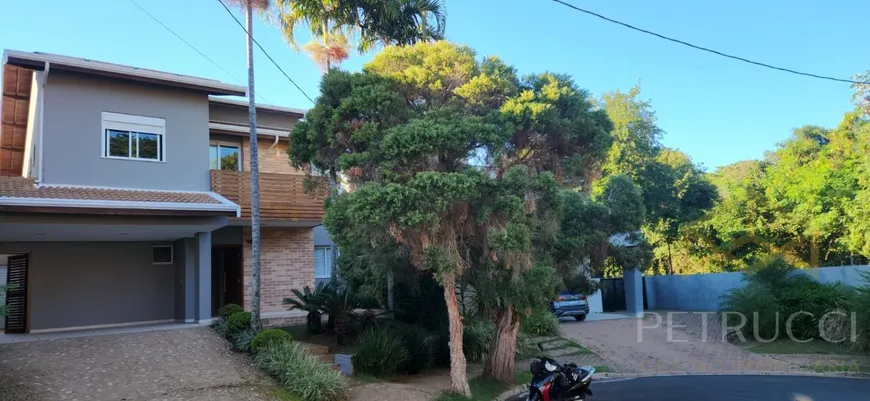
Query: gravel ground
point(186, 364)
point(679, 347)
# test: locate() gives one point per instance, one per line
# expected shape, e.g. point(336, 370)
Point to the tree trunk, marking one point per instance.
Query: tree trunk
point(501, 361)
point(256, 324)
point(458, 376)
point(391, 282)
point(670, 260)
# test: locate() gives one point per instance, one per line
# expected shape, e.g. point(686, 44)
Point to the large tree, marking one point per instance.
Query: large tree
point(404, 145)
point(461, 163)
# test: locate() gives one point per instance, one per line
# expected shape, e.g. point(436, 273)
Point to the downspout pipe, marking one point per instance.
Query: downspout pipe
point(39, 177)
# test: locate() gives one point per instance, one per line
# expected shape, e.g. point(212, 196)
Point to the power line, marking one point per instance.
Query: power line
point(706, 49)
point(191, 46)
point(230, 12)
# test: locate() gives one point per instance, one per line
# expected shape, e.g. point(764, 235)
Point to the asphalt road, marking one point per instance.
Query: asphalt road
point(732, 388)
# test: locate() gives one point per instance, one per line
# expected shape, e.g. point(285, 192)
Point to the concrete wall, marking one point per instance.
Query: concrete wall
point(72, 133)
point(703, 292)
point(73, 284)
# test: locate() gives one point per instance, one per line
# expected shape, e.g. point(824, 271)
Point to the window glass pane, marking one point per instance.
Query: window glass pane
point(322, 262)
point(161, 254)
point(118, 143)
point(229, 157)
point(148, 146)
point(213, 157)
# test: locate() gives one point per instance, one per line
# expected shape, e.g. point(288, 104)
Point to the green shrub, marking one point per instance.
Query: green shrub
point(242, 339)
point(295, 369)
point(861, 306)
point(268, 338)
point(541, 323)
point(526, 346)
point(220, 327)
point(238, 322)
point(228, 310)
point(777, 292)
point(418, 344)
point(477, 337)
point(746, 301)
point(380, 351)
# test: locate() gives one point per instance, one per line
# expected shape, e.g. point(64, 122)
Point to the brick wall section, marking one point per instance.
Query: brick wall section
point(273, 160)
point(286, 263)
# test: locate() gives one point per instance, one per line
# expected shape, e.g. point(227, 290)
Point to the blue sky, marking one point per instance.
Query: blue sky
point(717, 110)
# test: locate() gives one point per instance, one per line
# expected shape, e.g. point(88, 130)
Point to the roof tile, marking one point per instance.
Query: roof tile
point(19, 187)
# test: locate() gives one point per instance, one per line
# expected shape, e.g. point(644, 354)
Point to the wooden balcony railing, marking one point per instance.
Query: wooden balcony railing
point(282, 196)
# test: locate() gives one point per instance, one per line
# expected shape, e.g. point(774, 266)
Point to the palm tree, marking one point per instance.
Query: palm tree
point(332, 23)
point(249, 6)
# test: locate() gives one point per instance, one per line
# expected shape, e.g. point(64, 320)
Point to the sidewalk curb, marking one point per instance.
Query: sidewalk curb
point(599, 376)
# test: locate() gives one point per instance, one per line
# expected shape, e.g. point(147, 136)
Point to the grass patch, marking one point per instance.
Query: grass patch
point(362, 377)
point(838, 368)
point(284, 394)
point(815, 347)
point(581, 350)
point(486, 390)
point(604, 369)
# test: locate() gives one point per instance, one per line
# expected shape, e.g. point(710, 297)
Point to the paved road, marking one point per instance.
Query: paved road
point(732, 388)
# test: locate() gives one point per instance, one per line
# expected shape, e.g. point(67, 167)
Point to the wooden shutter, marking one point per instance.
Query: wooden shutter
point(16, 294)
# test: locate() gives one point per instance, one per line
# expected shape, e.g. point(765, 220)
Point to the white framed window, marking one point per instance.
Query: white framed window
point(162, 254)
point(224, 156)
point(322, 262)
point(129, 137)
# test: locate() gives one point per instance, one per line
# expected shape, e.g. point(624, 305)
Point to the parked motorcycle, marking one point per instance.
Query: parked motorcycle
point(552, 381)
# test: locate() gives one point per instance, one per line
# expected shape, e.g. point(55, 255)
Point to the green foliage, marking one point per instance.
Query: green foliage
point(615, 207)
point(419, 301)
point(806, 202)
point(238, 322)
point(540, 323)
point(311, 302)
point(379, 352)
point(784, 301)
point(458, 162)
point(228, 310)
point(418, 343)
point(861, 308)
point(2, 295)
point(220, 326)
point(477, 337)
point(295, 369)
point(242, 340)
point(267, 338)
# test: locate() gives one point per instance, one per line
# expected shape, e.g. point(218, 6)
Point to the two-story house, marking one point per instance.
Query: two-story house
point(125, 198)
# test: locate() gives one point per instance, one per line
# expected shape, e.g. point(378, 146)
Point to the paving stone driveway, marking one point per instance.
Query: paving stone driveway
point(676, 346)
point(173, 365)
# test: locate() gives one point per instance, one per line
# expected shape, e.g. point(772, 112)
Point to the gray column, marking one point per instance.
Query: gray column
point(190, 280)
point(633, 279)
point(185, 274)
point(203, 277)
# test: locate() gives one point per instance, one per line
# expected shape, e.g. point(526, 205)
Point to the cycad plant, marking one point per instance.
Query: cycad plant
point(311, 302)
point(339, 305)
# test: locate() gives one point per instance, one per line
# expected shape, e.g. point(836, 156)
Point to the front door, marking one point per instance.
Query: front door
point(226, 275)
point(16, 294)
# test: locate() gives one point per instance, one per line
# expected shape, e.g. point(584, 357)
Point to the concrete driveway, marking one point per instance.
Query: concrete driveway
point(171, 365)
point(676, 345)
